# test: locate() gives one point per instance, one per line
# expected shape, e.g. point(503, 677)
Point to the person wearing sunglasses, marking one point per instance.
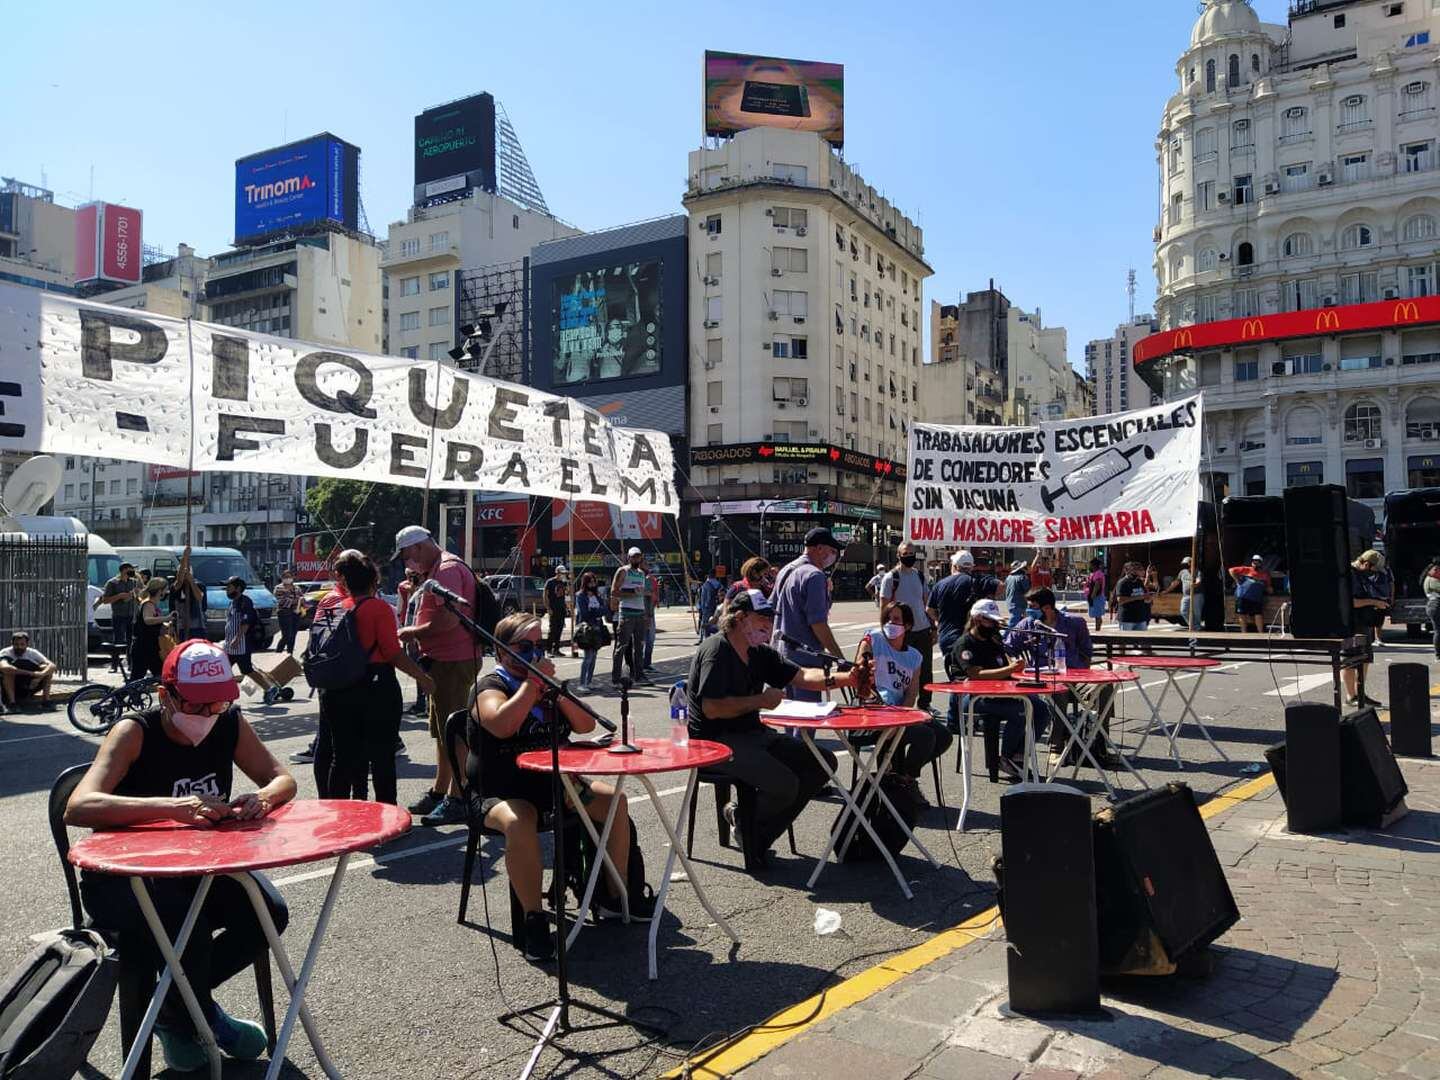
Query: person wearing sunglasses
point(177, 763)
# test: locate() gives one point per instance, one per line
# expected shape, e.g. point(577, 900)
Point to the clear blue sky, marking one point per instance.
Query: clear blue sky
point(1019, 135)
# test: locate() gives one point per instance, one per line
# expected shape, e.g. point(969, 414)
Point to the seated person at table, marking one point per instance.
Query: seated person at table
point(24, 672)
point(981, 655)
point(175, 763)
point(506, 720)
point(734, 675)
point(897, 682)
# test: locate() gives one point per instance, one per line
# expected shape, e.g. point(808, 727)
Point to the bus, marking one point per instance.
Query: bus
point(1412, 539)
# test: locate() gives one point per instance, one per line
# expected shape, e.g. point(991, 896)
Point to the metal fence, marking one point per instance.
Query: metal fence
point(43, 592)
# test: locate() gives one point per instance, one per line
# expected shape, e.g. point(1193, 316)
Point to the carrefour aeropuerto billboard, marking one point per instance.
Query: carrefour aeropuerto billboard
point(315, 179)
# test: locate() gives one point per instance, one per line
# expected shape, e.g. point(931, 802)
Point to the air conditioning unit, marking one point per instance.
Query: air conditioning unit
point(711, 365)
point(774, 315)
point(766, 346)
point(1374, 444)
point(710, 324)
point(800, 403)
point(714, 408)
point(710, 280)
point(1277, 368)
point(1324, 177)
point(813, 433)
point(775, 271)
point(1223, 195)
point(801, 231)
point(1272, 187)
point(1392, 294)
point(799, 319)
point(1328, 301)
point(769, 212)
point(1224, 256)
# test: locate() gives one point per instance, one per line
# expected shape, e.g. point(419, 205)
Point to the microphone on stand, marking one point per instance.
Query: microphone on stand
point(433, 586)
point(795, 643)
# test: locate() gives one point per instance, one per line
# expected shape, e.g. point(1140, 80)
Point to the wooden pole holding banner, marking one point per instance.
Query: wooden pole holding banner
point(574, 578)
point(470, 529)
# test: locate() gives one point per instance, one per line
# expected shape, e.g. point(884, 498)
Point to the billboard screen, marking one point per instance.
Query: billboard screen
point(596, 521)
point(314, 180)
point(607, 323)
point(455, 147)
point(744, 91)
point(107, 243)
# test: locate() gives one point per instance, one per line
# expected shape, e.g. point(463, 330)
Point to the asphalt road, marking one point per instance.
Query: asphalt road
point(402, 990)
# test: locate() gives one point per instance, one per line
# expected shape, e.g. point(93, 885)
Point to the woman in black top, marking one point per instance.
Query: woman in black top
point(506, 720)
point(176, 763)
point(145, 640)
point(981, 654)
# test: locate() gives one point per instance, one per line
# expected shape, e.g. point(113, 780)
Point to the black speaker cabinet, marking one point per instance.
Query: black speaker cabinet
point(1048, 872)
point(1410, 710)
point(1317, 542)
point(1161, 892)
point(1309, 777)
point(1371, 784)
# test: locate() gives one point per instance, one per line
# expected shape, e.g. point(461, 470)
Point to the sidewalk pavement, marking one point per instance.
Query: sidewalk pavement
point(1333, 971)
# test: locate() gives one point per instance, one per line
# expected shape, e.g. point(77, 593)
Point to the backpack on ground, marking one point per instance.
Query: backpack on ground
point(54, 1005)
point(334, 657)
point(909, 801)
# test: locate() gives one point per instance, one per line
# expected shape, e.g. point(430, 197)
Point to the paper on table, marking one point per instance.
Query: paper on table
point(802, 710)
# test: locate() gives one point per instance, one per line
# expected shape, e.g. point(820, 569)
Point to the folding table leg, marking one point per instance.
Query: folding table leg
point(307, 968)
point(1188, 709)
point(602, 859)
point(1156, 721)
point(863, 780)
point(876, 789)
point(282, 961)
point(850, 802)
point(1101, 716)
point(603, 855)
point(173, 971)
point(1075, 723)
point(677, 852)
point(967, 755)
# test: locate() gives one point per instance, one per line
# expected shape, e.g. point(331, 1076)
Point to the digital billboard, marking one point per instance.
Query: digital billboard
point(607, 322)
point(301, 183)
point(107, 243)
point(455, 147)
point(591, 521)
point(744, 91)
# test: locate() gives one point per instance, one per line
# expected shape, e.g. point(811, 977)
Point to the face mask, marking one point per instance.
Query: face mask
point(757, 634)
point(907, 560)
point(193, 727)
point(986, 629)
point(894, 631)
point(529, 651)
point(1033, 612)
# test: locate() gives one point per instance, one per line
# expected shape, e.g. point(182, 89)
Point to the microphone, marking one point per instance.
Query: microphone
point(433, 586)
point(796, 643)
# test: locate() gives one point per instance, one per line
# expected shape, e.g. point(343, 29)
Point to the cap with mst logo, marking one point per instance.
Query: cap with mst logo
point(199, 671)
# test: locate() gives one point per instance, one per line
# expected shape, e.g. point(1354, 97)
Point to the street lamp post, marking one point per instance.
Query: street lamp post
point(764, 549)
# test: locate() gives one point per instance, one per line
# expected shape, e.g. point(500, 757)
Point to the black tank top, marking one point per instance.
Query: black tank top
point(167, 769)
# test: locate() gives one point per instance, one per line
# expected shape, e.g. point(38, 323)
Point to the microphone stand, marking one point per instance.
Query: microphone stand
point(553, 692)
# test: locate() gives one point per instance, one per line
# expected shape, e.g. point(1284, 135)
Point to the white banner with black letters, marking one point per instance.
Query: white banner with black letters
point(83, 378)
point(1128, 476)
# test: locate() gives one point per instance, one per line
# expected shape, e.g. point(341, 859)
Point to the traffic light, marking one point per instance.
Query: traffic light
point(823, 500)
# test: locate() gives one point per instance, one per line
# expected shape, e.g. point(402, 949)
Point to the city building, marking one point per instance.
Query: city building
point(964, 380)
point(804, 329)
point(1116, 386)
point(1042, 382)
point(1296, 253)
point(37, 238)
point(171, 285)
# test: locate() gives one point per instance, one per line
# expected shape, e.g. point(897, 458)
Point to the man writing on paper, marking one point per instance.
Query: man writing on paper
point(733, 676)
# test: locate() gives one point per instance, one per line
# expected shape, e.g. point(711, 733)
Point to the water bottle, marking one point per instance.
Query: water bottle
point(679, 715)
point(1060, 665)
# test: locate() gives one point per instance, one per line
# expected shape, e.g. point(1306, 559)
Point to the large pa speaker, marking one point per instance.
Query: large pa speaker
point(1410, 710)
point(1317, 541)
point(1371, 784)
point(1307, 768)
point(1161, 892)
point(1047, 871)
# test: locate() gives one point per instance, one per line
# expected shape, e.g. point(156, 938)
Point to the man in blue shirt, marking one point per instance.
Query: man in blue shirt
point(802, 606)
point(710, 593)
point(1016, 586)
point(950, 600)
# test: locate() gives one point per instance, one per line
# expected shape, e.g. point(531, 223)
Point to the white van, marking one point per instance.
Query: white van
point(102, 563)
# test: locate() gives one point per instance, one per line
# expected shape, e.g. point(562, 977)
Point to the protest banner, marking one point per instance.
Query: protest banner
point(1127, 476)
point(84, 378)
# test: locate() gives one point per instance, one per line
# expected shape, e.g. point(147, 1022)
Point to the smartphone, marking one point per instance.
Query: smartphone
point(775, 99)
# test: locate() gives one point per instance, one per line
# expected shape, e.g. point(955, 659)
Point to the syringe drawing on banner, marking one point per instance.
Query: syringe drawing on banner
point(1096, 472)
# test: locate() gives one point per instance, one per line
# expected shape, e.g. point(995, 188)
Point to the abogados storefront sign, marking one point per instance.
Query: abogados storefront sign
point(779, 453)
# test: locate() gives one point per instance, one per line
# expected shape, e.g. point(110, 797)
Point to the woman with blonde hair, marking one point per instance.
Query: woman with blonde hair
point(755, 573)
point(149, 622)
point(505, 721)
point(1372, 592)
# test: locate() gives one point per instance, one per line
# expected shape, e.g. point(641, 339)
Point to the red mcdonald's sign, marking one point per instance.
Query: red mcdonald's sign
point(1253, 328)
point(1329, 319)
point(1407, 311)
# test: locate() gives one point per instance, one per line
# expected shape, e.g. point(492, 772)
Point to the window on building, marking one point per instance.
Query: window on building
point(84, 491)
point(1255, 63)
point(130, 486)
point(439, 280)
point(1363, 422)
point(1207, 309)
point(1415, 100)
point(1420, 280)
point(439, 241)
point(1362, 288)
point(1417, 157)
point(1177, 207)
point(1422, 420)
point(409, 286)
point(440, 316)
point(788, 217)
point(713, 310)
point(712, 224)
point(1245, 254)
point(1209, 76)
point(1365, 478)
point(1247, 368)
point(410, 247)
point(1233, 71)
point(438, 350)
point(715, 434)
point(790, 302)
point(1418, 227)
point(1205, 145)
point(1354, 112)
point(793, 174)
point(409, 320)
point(1244, 190)
point(1297, 246)
point(1304, 473)
point(1254, 480)
point(714, 265)
point(1354, 237)
point(1393, 10)
point(1295, 177)
point(1294, 123)
point(714, 393)
point(1300, 295)
point(1244, 303)
point(114, 487)
point(1205, 260)
point(714, 350)
point(1177, 155)
point(788, 259)
point(1339, 22)
point(1242, 135)
point(69, 492)
point(1423, 470)
point(790, 389)
point(411, 352)
point(1354, 168)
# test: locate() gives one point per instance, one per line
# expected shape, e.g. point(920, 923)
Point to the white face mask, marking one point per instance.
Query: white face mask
point(894, 631)
point(195, 727)
point(757, 633)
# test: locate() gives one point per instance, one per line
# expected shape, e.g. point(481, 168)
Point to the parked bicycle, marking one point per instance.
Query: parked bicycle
point(97, 707)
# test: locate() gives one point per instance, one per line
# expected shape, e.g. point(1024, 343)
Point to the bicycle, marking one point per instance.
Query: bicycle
point(97, 707)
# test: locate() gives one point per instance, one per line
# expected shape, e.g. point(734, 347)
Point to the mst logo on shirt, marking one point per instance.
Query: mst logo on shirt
point(208, 784)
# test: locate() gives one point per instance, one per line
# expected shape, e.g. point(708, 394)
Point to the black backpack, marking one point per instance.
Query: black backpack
point(905, 794)
point(54, 1005)
point(334, 658)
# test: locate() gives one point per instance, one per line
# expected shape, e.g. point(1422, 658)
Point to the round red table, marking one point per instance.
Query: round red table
point(1172, 667)
point(301, 831)
point(655, 756)
point(889, 723)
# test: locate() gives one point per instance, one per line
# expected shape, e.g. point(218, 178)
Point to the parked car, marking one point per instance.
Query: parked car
point(517, 592)
point(212, 567)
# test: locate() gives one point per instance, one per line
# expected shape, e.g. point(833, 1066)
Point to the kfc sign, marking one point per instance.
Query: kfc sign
point(107, 243)
point(510, 512)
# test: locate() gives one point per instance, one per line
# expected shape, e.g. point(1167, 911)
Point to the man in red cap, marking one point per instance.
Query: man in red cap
point(176, 763)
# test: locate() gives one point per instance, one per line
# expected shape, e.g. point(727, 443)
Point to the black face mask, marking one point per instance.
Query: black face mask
point(907, 560)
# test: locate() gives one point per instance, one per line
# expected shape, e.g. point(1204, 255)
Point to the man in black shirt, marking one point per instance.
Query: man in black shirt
point(734, 675)
point(557, 596)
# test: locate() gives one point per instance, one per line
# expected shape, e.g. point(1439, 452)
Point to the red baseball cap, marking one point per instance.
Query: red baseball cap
point(199, 671)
